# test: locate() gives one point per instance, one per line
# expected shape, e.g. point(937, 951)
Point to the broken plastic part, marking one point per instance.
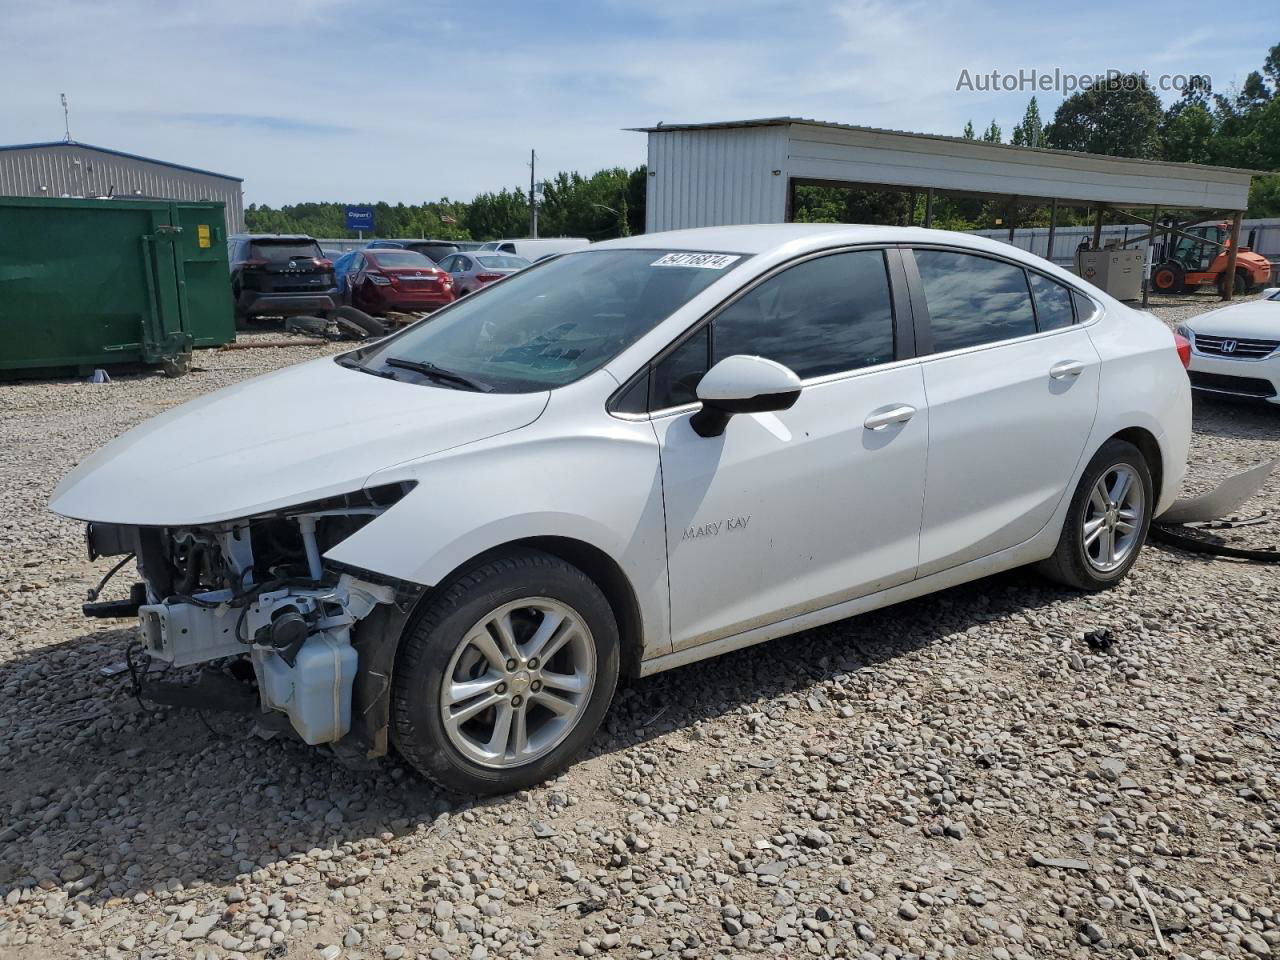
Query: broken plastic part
point(1227, 497)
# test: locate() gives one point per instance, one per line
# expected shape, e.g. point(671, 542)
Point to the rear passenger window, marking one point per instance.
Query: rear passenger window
point(826, 315)
point(1053, 303)
point(1086, 309)
point(974, 300)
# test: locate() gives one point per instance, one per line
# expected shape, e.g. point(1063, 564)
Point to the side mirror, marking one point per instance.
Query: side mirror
point(742, 384)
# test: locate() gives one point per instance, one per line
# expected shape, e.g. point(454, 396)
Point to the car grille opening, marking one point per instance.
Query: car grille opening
point(1236, 349)
point(1240, 386)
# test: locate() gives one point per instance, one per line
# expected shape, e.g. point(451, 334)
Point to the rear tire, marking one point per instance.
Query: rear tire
point(471, 662)
point(1106, 525)
point(1239, 288)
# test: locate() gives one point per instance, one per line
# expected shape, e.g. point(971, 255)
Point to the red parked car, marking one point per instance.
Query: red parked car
point(383, 280)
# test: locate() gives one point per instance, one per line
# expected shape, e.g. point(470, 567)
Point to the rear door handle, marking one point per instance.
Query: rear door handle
point(888, 416)
point(1067, 368)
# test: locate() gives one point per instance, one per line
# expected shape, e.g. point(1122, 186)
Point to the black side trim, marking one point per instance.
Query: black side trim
point(919, 306)
point(904, 335)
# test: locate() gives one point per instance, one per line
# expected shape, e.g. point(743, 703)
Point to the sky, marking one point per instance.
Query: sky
point(412, 100)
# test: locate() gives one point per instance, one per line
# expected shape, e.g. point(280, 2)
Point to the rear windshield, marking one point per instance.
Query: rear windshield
point(556, 322)
point(436, 251)
point(285, 249)
point(400, 258)
point(503, 263)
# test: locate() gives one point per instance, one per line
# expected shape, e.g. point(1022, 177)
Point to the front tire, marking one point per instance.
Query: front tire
point(506, 675)
point(1107, 522)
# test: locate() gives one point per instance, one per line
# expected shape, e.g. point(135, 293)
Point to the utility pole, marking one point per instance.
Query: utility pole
point(66, 118)
point(533, 197)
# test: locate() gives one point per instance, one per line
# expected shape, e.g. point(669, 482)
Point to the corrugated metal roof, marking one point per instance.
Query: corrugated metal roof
point(788, 121)
point(117, 153)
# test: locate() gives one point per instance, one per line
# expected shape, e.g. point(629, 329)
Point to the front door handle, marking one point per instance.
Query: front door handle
point(888, 416)
point(1067, 368)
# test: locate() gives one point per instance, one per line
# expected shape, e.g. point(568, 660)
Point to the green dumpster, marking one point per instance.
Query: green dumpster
point(101, 283)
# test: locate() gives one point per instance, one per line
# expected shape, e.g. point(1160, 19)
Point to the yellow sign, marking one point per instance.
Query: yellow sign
point(202, 236)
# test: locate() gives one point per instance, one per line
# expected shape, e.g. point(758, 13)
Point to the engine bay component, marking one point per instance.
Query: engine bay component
point(314, 687)
point(298, 638)
point(184, 634)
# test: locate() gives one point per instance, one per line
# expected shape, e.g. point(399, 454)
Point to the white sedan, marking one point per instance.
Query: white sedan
point(630, 458)
point(1235, 350)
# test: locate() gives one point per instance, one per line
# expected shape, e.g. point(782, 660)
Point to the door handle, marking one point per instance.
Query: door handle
point(1067, 368)
point(888, 416)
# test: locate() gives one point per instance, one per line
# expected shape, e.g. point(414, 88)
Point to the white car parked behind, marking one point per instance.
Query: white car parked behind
point(630, 458)
point(1235, 350)
point(536, 249)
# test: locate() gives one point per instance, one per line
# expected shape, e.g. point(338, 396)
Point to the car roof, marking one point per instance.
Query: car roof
point(286, 237)
point(765, 237)
point(778, 241)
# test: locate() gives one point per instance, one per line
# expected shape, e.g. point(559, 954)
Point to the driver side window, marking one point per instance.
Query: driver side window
point(827, 315)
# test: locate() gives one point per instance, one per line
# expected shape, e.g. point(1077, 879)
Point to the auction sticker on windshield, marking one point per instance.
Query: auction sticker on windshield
point(707, 261)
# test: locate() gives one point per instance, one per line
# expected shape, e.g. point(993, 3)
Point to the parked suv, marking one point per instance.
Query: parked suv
point(280, 275)
point(631, 458)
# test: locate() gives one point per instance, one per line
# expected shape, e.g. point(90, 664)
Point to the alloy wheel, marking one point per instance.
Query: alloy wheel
point(1112, 520)
point(518, 682)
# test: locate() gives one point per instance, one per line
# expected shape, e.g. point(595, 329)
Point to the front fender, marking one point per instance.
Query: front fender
point(599, 487)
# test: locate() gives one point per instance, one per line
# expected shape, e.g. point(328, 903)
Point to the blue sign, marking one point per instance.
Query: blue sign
point(360, 218)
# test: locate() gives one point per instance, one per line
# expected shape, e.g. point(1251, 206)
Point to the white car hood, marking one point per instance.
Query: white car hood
point(1257, 320)
point(300, 434)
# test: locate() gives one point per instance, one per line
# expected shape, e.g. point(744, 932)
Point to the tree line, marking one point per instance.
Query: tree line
point(609, 203)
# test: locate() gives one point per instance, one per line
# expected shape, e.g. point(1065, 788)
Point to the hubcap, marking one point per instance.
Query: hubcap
point(1113, 518)
point(518, 682)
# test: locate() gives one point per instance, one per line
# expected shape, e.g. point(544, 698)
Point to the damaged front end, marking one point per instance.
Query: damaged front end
point(320, 638)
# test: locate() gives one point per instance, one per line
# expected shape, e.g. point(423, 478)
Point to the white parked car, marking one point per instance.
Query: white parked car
point(627, 459)
point(1235, 350)
point(536, 249)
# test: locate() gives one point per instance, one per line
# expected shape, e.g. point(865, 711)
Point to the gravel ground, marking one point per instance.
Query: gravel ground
point(962, 775)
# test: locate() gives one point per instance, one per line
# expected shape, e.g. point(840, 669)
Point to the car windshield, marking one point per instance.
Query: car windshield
point(503, 263)
point(400, 258)
point(557, 322)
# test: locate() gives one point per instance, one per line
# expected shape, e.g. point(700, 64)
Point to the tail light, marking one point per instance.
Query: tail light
point(380, 279)
point(252, 263)
point(488, 277)
point(1184, 350)
point(323, 263)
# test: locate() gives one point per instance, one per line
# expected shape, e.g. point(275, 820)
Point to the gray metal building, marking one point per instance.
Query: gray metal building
point(71, 169)
point(711, 174)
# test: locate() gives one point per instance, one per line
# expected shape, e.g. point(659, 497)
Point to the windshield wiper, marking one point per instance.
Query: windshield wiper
point(357, 365)
point(437, 373)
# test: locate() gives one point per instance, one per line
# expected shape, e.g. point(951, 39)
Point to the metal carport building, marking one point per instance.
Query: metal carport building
point(746, 171)
point(66, 168)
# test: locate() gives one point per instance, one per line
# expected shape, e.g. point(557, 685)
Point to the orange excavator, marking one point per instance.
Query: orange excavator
point(1197, 257)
